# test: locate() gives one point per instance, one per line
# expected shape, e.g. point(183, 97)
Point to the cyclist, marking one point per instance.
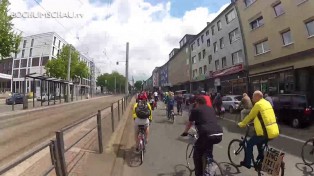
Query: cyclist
point(207, 98)
point(156, 96)
point(170, 103)
point(265, 125)
point(179, 99)
point(218, 103)
point(247, 105)
point(209, 132)
point(142, 115)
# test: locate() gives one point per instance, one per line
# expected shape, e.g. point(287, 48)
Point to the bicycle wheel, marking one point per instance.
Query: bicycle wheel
point(189, 156)
point(307, 153)
point(236, 152)
point(141, 148)
point(213, 168)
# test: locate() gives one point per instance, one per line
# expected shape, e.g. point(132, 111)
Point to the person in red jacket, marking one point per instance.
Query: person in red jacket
point(207, 98)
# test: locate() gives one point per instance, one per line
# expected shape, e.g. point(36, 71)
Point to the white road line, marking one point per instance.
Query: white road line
point(281, 135)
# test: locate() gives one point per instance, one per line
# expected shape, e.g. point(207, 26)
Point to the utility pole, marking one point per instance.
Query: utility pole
point(127, 70)
point(115, 85)
point(69, 76)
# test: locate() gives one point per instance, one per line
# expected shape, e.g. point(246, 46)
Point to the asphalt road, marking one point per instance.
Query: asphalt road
point(19, 133)
point(165, 154)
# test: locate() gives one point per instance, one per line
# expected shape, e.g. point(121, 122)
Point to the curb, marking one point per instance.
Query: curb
point(118, 161)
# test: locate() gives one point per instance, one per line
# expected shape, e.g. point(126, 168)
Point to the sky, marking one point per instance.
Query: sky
point(152, 28)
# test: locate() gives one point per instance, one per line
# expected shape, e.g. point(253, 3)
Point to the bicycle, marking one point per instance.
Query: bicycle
point(171, 117)
point(308, 156)
point(142, 141)
point(240, 146)
point(208, 162)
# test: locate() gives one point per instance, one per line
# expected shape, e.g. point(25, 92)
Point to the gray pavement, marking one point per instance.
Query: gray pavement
point(165, 154)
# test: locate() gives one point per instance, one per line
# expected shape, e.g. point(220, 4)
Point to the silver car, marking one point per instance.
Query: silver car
point(231, 102)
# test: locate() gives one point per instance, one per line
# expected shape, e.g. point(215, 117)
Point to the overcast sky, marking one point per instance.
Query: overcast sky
point(152, 28)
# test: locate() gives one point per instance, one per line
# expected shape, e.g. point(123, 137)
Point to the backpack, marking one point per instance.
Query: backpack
point(142, 111)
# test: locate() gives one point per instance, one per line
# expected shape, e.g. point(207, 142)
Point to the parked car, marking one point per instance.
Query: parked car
point(44, 97)
point(293, 109)
point(231, 102)
point(15, 98)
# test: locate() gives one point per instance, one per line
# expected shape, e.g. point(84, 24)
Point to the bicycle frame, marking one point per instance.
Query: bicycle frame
point(141, 138)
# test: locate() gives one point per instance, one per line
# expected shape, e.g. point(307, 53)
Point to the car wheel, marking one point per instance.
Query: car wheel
point(295, 123)
point(231, 110)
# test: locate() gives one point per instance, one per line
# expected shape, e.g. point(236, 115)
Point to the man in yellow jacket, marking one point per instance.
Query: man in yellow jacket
point(265, 125)
point(142, 118)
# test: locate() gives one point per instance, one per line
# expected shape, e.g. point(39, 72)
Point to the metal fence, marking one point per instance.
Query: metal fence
point(57, 148)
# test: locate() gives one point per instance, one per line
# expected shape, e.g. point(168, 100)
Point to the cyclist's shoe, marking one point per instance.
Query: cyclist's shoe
point(242, 163)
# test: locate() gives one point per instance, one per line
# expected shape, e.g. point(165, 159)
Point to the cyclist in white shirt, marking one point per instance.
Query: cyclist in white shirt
point(156, 96)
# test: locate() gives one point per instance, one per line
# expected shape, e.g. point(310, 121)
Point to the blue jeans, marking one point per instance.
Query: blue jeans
point(169, 108)
point(259, 141)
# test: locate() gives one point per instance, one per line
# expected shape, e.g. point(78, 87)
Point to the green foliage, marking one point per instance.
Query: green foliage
point(9, 40)
point(138, 85)
point(58, 67)
point(108, 81)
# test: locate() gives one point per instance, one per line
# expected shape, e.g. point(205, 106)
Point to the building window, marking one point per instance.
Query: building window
point(286, 37)
point(204, 52)
point(23, 63)
point(219, 25)
point(35, 61)
point(234, 35)
point(22, 73)
point(205, 69)
point(16, 63)
point(310, 28)
point(24, 44)
point(45, 60)
point(202, 38)
point(53, 51)
point(208, 42)
point(198, 42)
point(193, 60)
point(279, 9)
point(59, 44)
point(199, 56)
point(230, 16)
point(30, 52)
point(15, 73)
point(217, 64)
point(262, 47)
point(54, 40)
point(215, 47)
point(207, 32)
point(248, 2)
point(200, 70)
point(213, 30)
point(32, 43)
point(237, 57)
point(192, 46)
point(257, 23)
point(222, 45)
point(23, 52)
point(210, 58)
point(58, 52)
point(223, 62)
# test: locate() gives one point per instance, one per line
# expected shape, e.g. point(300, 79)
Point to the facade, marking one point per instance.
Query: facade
point(156, 78)
point(163, 76)
point(217, 55)
point(179, 65)
point(5, 74)
point(279, 37)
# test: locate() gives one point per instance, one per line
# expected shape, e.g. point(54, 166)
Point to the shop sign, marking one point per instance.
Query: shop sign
point(217, 82)
point(227, 71)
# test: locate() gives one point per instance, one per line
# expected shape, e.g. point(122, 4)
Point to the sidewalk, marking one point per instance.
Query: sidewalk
point(95, 164)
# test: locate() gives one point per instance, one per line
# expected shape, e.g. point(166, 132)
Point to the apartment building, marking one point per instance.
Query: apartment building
point(179, 64)
point(279, 38)
point(156, 78)
point(217, 55)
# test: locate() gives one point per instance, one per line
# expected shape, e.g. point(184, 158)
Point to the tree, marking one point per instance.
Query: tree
point(108, 80)
point(9, 40)
point(138, 85)
point(58, 68)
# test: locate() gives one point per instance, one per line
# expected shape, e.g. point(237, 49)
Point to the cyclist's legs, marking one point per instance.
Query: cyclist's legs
point(254, 140)
point(179, 104)
point(204, 147)
point(138, 122)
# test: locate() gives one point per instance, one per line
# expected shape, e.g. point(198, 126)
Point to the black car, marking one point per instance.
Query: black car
point(293, 109)
point(16, 97)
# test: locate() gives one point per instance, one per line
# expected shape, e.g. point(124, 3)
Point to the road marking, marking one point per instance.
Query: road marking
point(281, 135)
